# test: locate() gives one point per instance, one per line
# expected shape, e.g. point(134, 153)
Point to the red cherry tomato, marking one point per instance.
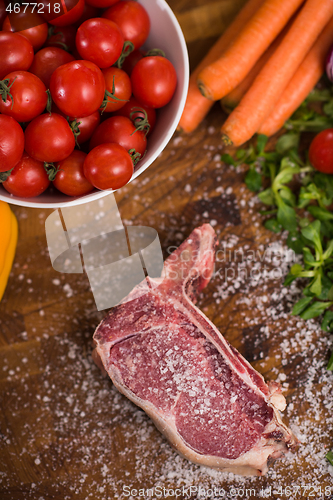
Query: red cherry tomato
point(103, 4)
point(11, 142)
point(321, 151)
point(70, 178)
point(77, 88)
point(27, 22)
point(28, 99)
point(121, 130)
point(117, 78)
point(63, 37)
point(49, 138)
point(47, 60)
point(62, 13)
point(154, 81)
point(133, 20)
point(28, 179)
point(108, 166)
point(131, 110)
point(16, 52)
point(99, 41)
point(87, 125)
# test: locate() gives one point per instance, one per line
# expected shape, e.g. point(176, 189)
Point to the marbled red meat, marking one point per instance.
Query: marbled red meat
point(165, 355)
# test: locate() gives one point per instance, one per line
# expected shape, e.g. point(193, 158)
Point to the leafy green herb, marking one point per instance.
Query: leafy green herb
point(330, 364)
point(273, 225)
point(253, 180)
point(298, 200)
point(329, 457)
point(301, 305)
point(315, 309)
point(327, 325)
point(228, 159)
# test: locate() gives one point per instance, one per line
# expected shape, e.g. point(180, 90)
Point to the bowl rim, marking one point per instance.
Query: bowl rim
point(25, 202)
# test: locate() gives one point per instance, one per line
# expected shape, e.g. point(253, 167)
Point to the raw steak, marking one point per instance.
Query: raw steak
point(166, 356)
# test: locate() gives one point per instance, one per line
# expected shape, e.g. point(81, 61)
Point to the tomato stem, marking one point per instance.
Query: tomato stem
point(155, 52)
point(136, 156)
point(51, 170)
point(60, 33)
point(112, 96)
point(5, 90)
point(4, 175)
point(74, 125)
point(128, 47)
point(140, 122)
point(49, 102)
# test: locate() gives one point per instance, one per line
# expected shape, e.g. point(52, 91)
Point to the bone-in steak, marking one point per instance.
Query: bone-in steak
point(166, 356)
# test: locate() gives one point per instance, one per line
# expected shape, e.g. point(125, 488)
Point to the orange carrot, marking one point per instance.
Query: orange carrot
point(197, 106)
point(301, 84)
point(218, 79)
point(231, 100)
point(269, 85)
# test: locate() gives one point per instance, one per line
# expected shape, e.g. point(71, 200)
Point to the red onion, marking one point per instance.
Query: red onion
point(329, 64)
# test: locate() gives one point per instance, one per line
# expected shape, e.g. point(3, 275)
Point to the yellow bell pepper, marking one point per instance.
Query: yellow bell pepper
point(8, 242)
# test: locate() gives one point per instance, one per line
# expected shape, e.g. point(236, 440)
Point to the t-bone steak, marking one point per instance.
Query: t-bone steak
point(166, 356)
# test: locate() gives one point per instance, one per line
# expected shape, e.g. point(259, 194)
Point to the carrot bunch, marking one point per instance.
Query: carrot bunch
point(262, 67)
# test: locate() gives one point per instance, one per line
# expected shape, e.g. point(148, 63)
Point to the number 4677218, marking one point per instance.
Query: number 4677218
point(40, 8)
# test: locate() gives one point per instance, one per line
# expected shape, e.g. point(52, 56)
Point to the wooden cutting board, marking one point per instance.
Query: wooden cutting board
point(65, 432)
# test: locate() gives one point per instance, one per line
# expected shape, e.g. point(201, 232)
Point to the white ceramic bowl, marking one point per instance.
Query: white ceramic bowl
point(167, 35)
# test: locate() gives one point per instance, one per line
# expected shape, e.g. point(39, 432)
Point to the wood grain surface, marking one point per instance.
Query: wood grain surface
point(65, 432)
